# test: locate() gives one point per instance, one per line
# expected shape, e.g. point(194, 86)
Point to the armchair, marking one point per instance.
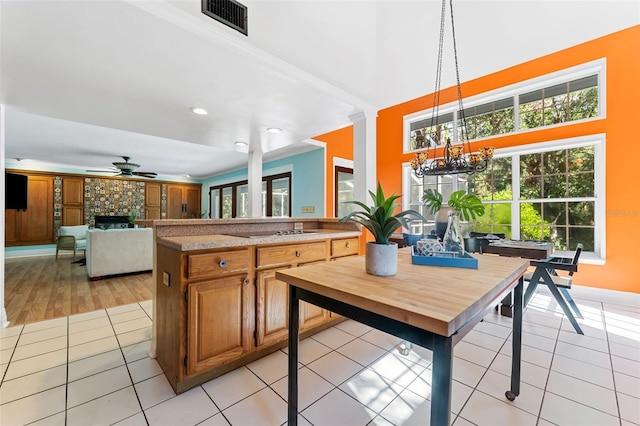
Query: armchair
point(72, 238)
point(546, 273)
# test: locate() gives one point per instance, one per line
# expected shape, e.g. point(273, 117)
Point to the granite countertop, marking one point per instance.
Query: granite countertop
point(201, 242)
point(332, 222)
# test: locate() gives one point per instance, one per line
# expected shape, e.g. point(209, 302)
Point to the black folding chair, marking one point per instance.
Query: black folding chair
point(546, 273)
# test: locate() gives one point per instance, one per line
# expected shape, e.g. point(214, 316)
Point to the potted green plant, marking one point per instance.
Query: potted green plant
point(468, 205)
point(461, 204)
point(381, 221)
point(132, 218)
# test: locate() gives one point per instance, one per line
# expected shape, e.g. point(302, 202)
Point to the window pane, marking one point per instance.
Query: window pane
point(532, 224)
point(227, 202)
point(581, 159)
point(264, 199)
point(214, 208)
point(554, 162)
point(496, 220)
point(495, 182)
point(573, 100)
point(581, 235)
point(554, 186)
point(426, 133)
point(242, 201)
point(489, 119)
point(280, 197)
point(345, 193)
point(555, 213)
point(582, 213)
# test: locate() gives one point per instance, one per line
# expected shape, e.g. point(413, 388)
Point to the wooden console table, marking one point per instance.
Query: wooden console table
point(527, 250)
point(524, 249)
point(433, 307)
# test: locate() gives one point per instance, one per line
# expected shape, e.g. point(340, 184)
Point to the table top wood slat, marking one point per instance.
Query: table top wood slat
point(437, 299)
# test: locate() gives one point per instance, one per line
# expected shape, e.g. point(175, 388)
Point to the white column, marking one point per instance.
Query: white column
point(255, 183)
point(4, 322)
point(364, 154)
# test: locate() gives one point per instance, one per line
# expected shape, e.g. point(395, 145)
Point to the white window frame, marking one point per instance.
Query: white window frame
point(597, 66)
point(598, 141)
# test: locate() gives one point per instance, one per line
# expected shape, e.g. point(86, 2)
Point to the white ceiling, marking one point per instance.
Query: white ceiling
point(85, 82)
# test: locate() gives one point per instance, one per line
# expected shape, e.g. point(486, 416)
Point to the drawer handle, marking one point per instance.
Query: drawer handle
point(297, 253)
point(223, 263)
point(348, 245)
point(245, 281)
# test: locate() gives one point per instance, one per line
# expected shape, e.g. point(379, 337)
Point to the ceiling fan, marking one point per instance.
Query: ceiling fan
point(125, 168)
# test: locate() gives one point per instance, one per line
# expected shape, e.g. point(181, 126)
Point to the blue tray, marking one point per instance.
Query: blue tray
point(466, 261)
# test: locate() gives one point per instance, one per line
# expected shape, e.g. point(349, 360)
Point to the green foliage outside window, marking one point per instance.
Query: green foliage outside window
point(561, 103)
point(552, 180)
point(493, 118)
point(571, 106)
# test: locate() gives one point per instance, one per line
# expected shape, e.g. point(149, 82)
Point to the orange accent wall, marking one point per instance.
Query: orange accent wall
point(339, 144)
point(622, 268)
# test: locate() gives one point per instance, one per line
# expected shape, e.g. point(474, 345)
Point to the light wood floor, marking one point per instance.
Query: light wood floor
point(40, 288)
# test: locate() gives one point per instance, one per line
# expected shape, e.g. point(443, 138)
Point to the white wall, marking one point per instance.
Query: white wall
point(385, 51)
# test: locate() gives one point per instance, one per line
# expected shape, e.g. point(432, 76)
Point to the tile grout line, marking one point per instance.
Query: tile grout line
point(126, 364)
point(603, 317)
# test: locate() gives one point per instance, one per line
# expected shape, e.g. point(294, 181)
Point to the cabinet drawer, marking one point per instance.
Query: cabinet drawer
point(219, 263)
point(346, 247)
point(298, 253)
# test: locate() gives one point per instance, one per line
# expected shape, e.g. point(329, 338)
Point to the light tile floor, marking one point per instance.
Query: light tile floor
point(93, 369)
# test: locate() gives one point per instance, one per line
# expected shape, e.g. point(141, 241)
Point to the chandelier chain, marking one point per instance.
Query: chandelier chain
point(436, 98)
point(457, 158)
point(465, 137)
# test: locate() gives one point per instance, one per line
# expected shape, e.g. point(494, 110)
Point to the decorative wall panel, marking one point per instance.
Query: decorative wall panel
point(112, 197)
point(57, 205)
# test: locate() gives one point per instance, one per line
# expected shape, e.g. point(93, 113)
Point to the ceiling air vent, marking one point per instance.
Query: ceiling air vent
point(229, 12)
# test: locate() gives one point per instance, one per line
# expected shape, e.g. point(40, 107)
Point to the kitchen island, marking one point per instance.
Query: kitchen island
point(218, 304)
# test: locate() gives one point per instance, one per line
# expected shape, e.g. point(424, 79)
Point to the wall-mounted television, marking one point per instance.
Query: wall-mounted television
point(15, 191)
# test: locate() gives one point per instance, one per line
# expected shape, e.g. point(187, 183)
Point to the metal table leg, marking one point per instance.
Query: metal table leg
point(516, 342)
point(294, 309)
point(441, 380)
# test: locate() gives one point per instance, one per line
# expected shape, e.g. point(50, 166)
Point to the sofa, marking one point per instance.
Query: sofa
point(118, 251)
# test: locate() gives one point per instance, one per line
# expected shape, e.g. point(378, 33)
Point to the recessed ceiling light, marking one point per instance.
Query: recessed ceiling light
point(274, 130)
point(240, 143)
point(199, 111)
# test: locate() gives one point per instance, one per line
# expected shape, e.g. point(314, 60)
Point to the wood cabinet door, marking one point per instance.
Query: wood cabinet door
point(218, 323)
point(36, 223)
point(11, 223)
point(192, 201)
point(72, 201)
point(183, 201)
point(72, 216)
point(272, 308)
point(153, 201)
point(73, 191)
point(174, 202)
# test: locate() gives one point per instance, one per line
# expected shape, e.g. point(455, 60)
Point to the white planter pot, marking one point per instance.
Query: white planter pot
point(381, 259)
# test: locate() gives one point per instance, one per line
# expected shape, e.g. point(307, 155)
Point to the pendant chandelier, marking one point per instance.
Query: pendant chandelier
point(458, 157)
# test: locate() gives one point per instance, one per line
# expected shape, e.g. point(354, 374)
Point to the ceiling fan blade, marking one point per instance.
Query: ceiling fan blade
point(103, 171)
point(150, 175)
